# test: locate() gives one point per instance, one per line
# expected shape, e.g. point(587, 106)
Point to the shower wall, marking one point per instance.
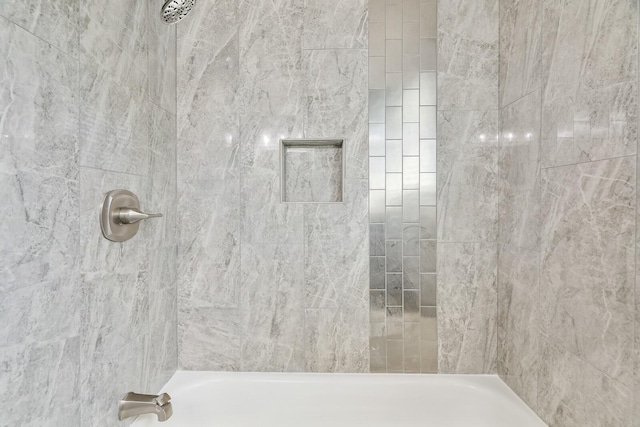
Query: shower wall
point(87, 105)
point(266, 285)
point(568, 219)
point(467, 185)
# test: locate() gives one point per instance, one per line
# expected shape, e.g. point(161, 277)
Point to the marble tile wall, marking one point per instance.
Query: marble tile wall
point(87, 105)
point(567, 303)
point(467, 185)
point(266, 285)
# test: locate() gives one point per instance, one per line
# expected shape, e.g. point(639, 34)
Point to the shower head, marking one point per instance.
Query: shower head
point(174, 10)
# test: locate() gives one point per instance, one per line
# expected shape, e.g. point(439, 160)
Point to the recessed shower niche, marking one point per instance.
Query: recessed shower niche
point(312, 170)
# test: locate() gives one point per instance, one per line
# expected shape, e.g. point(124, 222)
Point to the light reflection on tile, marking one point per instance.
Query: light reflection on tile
point(410, 139)
point(428, 88)
point(393, 89)
point(411, 71)
point(394, 222)
point(411, 205)
point(377, 306)
point(376, 106)
point(394, 189)
point(394, 122)
point(428, 155)
point(412, 307)
point(411, 106)
point(411, 173)
point(427, 189)
point(377, 205)
point(428, 289)
point(377, 140)
point(394, 156)
point(376, 173)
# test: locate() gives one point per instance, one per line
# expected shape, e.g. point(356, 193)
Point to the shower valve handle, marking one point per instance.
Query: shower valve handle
point(132, 215)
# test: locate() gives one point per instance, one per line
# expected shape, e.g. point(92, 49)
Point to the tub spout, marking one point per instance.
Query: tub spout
point(134, 404)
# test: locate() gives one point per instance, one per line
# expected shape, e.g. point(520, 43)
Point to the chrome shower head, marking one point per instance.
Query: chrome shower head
point(174, 10)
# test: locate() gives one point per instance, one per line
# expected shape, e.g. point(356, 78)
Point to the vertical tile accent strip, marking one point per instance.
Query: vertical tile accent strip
point(402, 183)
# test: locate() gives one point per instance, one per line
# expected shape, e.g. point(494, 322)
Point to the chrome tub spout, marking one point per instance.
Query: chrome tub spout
point(134, 404)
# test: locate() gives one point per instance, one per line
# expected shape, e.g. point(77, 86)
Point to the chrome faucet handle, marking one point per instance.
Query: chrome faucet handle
point(133, 215)
point(134, 404)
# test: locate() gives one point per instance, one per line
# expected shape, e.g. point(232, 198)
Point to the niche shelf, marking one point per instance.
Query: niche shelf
point(312, 170)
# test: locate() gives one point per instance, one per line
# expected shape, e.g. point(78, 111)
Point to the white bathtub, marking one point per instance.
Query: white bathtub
point(213, 399)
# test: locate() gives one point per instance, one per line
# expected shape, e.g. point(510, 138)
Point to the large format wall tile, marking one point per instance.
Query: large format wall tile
point(272, 308)
point(572, 393)
point(336, 102)
point(520, 173)
point(587, 277)
point(335, 24)
point(468, 55)
point(519, 321)
point(520, 48)
point(589, 69)
point(467, 176)
point(467, 308)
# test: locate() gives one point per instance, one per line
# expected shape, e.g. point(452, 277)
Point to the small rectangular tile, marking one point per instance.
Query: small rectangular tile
point(377, 11)
point(428, 155)
point(411, 38)
point(393, 90)
point(394, 189)
point(428, 54)
point(377, 140)
point(411, 71)
point(394, 56)
point(394, 257)
point(394, 156)
point(377, 306)
point(393, 122)
point(412, 307)
point(411, 173)
point(428, 222)
point(394, 222)
point(377, 72)
point(377, 39)
point(376, 106)
point(411, 272)
point(394, 289)
point(428, 88)
point(429, 357)
point(394, 21)
point(376, 272)
point(428, 290)
point(428, 122)
point(428, 19)
point(429, 324)
point(428, 189)
point(376, 239)
point(410, 139)
point(395, 321)
point(411, 106)
point(411, 205)
point(395, 357)
point(377, 173)
point(428, 256)
point(411, 10)
point(377, 206)
point(410, 240)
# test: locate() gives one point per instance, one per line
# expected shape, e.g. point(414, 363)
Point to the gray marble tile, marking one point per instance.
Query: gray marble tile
point(265, 219)
point(520, 49)
point(519, 321)
point(587, 277)
point(54, 21)
point(377, 239)
point(162, 61)
point(114, 120)
point(336, 340)
point(41, 383)
point(467, 304)
point(272, 308)
point(209, 338)
point(271, 66)
point(467, 176)
point(589, 70)
point(468, 55)
point(114, 341)
point(519, 170)
point(335, 24)
point(572, 393)
point(336, 103)
point(336, 238)
point(209, 243)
